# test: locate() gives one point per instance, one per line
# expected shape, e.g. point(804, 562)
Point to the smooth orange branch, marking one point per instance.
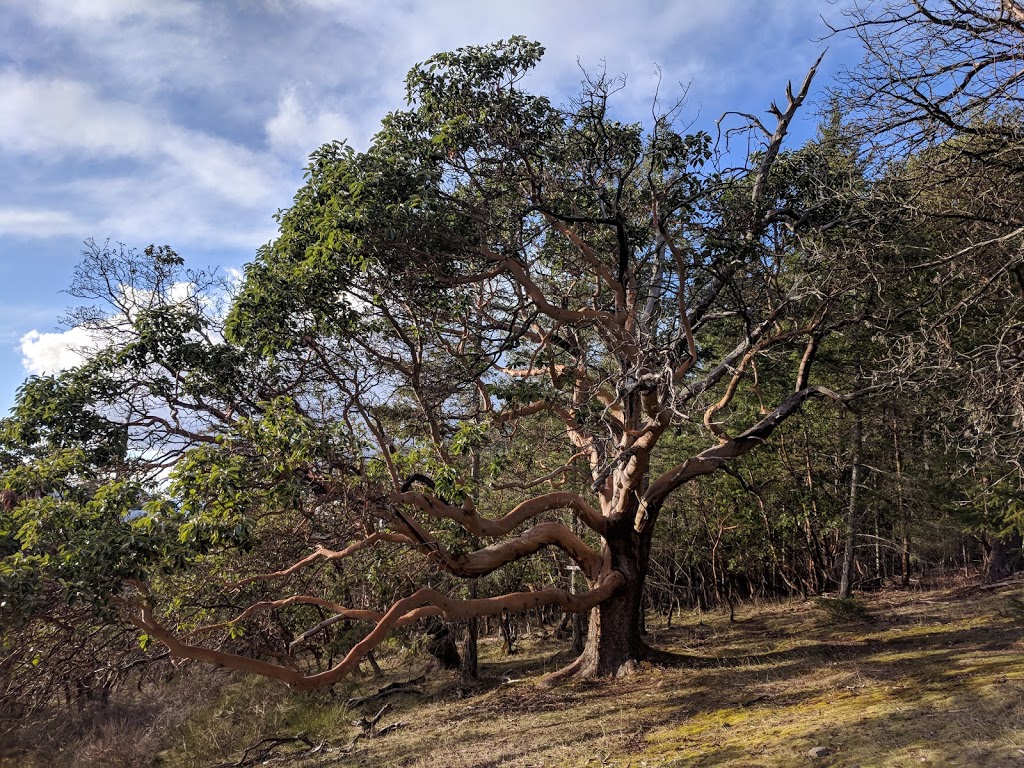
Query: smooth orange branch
point(510, 414)
point(684, 318)
point(519, 273)
point(804, 372)
point(423, 603)
point(708, 461)
point(324, 553)
point(610, 401)
point(491, 558)
point(527, 372)
point(730, 392)
point(468, 518)
point(592, 259)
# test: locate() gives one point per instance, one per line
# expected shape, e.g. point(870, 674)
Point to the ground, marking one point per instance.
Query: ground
point(925, 678)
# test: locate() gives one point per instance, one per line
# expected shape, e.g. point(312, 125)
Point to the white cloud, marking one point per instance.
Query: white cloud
point(46, 353)
point(230, 171)
point(293, 129)
point(38, 222)
point(146, 178)
point(48, 117)
point(67, 13)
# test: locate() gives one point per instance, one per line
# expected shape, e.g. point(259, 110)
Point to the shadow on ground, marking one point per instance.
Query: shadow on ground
point(933, 678)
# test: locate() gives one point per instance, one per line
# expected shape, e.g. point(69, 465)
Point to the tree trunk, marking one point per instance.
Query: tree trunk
point(905, 558)
point(846, 578)
point(442, 646)
point(468, 672)
point(614, 643)
point(999, 563)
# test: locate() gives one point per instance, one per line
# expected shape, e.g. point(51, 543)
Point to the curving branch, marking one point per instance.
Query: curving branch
point(519, 274)
point(272, 605)
point(467, 516)
point(708, 461)
point(592, 258)
point(323, 553)
point(491, 558)
point(421, 604)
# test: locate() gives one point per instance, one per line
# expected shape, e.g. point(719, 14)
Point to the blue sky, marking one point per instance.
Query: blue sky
point(188, 122)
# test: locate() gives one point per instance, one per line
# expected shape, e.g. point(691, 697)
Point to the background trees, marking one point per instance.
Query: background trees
point(939, 101)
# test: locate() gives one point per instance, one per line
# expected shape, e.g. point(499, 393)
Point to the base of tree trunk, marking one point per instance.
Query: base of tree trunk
point(1001, 560)
point(468, 672)
point(613, 645)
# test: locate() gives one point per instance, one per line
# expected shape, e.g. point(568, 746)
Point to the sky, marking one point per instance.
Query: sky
point(189, 122)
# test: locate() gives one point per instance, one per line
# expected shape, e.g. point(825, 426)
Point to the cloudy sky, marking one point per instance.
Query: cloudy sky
point(188, 122)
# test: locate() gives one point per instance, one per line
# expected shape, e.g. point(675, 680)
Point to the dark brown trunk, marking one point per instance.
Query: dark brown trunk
point(442, 646)
point(372, 660)
point(905, 559)
point(614, 643)
point(999, 563)
point(579, 633)
point(468, 671)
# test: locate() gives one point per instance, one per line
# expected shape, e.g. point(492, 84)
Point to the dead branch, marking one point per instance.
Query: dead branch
point(261, 750)
point(392, 689)
point(326, 554)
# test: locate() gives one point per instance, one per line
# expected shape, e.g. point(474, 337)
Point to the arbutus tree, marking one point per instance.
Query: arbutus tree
point(493, 269)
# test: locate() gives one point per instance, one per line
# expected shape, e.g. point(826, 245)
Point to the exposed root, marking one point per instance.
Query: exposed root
point(562, 675)
point(587, 668)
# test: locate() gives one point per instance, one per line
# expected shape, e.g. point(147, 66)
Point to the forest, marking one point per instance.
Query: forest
point(525, 369)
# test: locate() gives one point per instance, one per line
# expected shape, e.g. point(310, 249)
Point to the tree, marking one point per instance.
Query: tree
point(939, 98)
point(493, 269)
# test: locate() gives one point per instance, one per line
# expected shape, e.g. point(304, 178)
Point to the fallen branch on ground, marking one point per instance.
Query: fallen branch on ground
point(368, 728)
point(409, 686)
point(260, 752)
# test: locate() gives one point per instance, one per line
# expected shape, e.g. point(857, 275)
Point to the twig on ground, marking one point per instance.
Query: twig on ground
point(259, 752)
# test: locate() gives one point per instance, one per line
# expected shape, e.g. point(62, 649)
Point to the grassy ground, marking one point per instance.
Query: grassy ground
point(927, 678)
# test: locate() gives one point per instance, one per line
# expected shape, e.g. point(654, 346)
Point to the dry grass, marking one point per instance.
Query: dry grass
point(127, 732)
point(933, 678)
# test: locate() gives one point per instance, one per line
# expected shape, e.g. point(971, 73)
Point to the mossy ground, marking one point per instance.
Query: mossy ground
point(928, 678)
